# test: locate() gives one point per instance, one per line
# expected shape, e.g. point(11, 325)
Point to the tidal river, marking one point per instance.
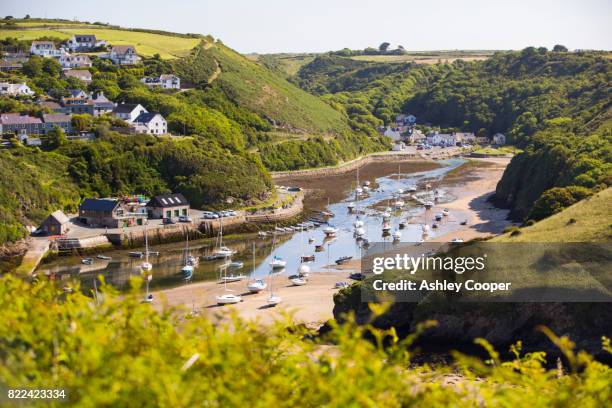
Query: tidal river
point(331, 193)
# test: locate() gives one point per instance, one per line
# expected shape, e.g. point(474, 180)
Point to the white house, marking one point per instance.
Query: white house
point(416, 136)
point(499, 139)
point(436, 139)
point(152, 123)
point(403, 119)
point(129, 111)
point(68, 61)
point(164, 81)
point(45, 49)
point(123, 55)
point(7, 88)
point(465, 137)
point(84, 42)
point(393, 133)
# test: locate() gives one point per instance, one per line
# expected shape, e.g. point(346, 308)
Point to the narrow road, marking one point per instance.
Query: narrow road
point(37, 248)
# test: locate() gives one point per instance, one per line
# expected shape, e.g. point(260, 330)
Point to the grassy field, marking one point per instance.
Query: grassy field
point(497, 151)
point(585, 221)
point(425, 58)
point(147, 44)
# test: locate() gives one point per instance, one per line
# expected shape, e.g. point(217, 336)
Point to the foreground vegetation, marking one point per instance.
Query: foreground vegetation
point(120, 352)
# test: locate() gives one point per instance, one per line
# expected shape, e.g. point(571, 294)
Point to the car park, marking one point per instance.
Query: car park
point(184, 218)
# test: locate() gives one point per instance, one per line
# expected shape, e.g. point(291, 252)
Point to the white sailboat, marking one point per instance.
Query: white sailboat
point(399, 190)
point(330, 231)
point(227, 298)
point(273, 299)
point(222, 252)
point(255, 285)
point(189, 262)
point(148, 295)
point(146, 265)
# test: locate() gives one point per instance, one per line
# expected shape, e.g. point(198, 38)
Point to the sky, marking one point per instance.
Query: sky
point(269, 26)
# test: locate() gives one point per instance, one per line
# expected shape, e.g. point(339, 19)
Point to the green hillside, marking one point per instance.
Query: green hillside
point(586, 221)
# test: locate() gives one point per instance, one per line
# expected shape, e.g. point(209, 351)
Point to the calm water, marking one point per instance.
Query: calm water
point(340, 191)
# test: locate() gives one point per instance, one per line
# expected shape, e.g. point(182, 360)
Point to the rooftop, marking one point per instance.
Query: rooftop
point(17, 119)
point(56, 117)
point(168, 200)
point(99, 204)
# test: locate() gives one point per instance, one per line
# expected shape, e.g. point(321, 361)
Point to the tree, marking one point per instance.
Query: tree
point(33, 66)
point(81, 122)
point(560, 48)
point(384, 47)
point(55, 138)
point(51, 66)
point(27, 17)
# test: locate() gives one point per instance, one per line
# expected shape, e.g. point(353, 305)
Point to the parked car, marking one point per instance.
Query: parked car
point(232, 213)
point(184, 218)
point(209, 215)
point(168, 221)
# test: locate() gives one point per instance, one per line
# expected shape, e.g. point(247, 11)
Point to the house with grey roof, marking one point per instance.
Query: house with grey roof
point(56, 223)
point(151, 123)
point(84, 42)
point(170, 206)
point(62, 120)
point(15, 123)
point(123, 55)
point(110, 213)
point(46, 49)
point(129, 111)
point(164, 81)
point(80, 74)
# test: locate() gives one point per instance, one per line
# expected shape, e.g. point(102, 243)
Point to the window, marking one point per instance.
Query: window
point(168, 214)
point(176, 213)
point(184, 211)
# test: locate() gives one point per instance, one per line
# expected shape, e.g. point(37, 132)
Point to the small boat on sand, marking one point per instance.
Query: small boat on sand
point(105, 257)
point(343, 260)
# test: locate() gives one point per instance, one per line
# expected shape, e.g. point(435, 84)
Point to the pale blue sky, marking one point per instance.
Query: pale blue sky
point(321, 25)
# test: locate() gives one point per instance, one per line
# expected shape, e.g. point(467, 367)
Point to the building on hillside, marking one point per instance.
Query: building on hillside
point(499, 139)
point(84, 42)
point(56, 223)
point(78, 106)
point(78, 93)
point(406, 120)
point(441, 139)
point(393, 133)
point(416, 137)
point(101, 104)
point(7, 66)
point(53, 106)
point(61, 120)
point(465, 137)
point(169, 206)
point(68, 61)
point(80, 74)
point(110, 213)
point(14, 123)
point(482, 140)
point(151, 123)
point(165, 81)
point(129, 111)
point(123, 55)
point(9, 89)
point(45, 49)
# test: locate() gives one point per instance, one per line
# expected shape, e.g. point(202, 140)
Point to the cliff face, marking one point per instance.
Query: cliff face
point(501, 324)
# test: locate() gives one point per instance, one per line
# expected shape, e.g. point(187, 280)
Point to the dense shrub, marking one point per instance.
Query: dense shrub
point(556, 199)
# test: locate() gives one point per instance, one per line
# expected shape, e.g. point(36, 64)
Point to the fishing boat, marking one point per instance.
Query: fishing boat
point(105, 257)
point(222, 252)
point(146, 265)
point(330, 231)
point(87, 261)
point(343, 260)
point(307, 258)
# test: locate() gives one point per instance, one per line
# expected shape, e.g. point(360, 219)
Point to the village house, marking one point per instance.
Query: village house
point(393, 133)
point(61, 120)
point(14, 123)
point(123, 55)
point(465, 137)
point(441, 139)
point(164, 81)
point(482, 140)
point(68, 61)
point(80, 74)
point(129, 111)
point(84, 42)
point(110, 213)
point(77, 106)
point(499, 139)
point(170, 206)
point(7, 88)
point(150, 122)
point(46, 49)
point(407, 120)
point(53, 106)
point(55, 224)
point(7, 66)
point(101, 104)
point(416, 137)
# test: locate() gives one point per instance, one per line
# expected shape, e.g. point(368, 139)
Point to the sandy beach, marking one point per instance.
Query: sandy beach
point(312, 304)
